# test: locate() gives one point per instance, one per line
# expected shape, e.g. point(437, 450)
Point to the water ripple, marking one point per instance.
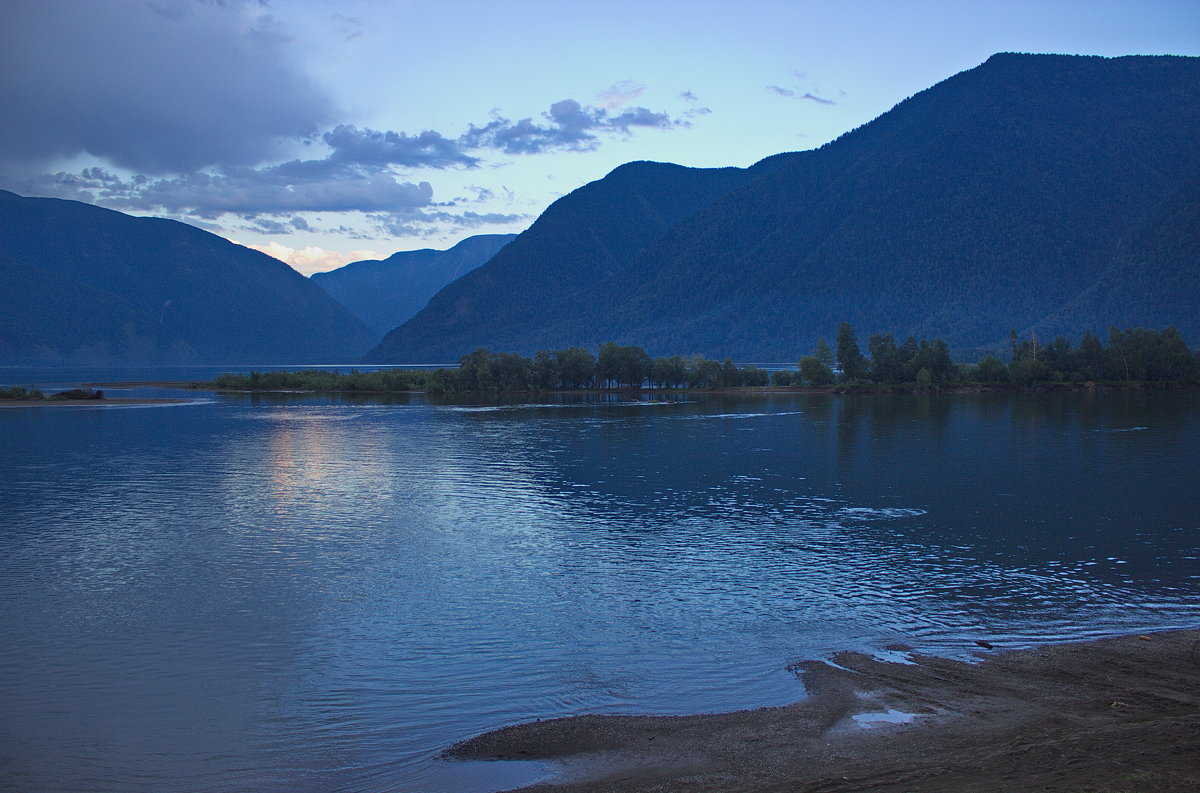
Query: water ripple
point(293, 595)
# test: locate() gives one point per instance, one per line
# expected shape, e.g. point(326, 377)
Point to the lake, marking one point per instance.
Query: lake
point(312, 593)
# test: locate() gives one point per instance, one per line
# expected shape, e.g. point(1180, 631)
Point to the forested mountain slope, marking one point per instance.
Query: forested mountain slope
point(591, 234)
point(82, 284)
point(385, 293)
point(1041, 193)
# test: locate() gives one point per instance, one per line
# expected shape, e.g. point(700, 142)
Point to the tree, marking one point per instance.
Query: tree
point(669, 372)
point(703, 372)
point(885, 359)
point(545, 370)
point(990, 369)
point(607, 363)
point(1091, 356)
point(632, 366)
point(731, 376)
point(475, 371)
point(512, 372)
point(823, 353)
point(815, 373)
point(850, 358)
point(576, 367)
point(755, 376)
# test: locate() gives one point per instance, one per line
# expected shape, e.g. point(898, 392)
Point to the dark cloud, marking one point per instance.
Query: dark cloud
point(688, 96)
point(818, 99)
point(265, 225)
point(779, 91)
point(269, 226)
point(163, 87)
point(356, 174)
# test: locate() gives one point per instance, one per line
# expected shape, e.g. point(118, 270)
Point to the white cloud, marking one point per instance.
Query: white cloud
point(312, 259)
point(620, 93)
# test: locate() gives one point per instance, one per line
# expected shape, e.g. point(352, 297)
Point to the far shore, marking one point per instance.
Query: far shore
point(1113, 715)
point(106, 401)
point(641, 393)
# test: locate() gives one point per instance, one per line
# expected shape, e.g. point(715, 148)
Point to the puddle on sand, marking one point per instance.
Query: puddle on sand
point(869, 720)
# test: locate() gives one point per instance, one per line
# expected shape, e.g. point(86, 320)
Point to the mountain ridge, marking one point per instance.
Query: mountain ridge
point(986, 202)
point(85, 284)
point(385, 293)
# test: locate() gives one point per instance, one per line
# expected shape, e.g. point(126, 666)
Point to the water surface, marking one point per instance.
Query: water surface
point(307, 593)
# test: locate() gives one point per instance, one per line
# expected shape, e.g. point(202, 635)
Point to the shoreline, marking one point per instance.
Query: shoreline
point(99, 403)
point(640, 394)
point(1107, 715)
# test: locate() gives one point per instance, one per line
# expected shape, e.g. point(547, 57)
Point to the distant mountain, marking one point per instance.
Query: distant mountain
point(1041, 193)
point(385, 293)
point(82, 284)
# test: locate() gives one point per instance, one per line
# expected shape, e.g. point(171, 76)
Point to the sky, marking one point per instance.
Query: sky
point(328, 131)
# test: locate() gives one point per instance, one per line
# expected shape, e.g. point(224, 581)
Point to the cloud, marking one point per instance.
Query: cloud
point(641, 117)
point(313, 259)
point(164, 87)
point(688, 96)
point(433, 223)
point(571, 127)
point(812, 93)
point(620, 93)
point(282, 189)
point(809, 95)
point(264, 225)
point(426, 149)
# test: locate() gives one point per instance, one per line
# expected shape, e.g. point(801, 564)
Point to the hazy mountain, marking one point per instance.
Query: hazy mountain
point(82, 284)
point(1038, 192)
point(385, 293)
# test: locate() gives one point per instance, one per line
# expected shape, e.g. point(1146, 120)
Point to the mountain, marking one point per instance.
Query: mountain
point(385, 293)
point(583, 238)
point(1041, 193)
point(82, 284)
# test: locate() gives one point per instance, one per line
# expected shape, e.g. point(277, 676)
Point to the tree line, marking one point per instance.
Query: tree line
point(1129, 355)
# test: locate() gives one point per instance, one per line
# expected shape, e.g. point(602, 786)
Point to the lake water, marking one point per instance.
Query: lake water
point(303, 593)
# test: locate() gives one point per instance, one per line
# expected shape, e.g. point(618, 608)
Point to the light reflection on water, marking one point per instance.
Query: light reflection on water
point(288, 593)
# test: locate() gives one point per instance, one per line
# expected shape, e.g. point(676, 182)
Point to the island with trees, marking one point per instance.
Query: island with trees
point(1126, 357)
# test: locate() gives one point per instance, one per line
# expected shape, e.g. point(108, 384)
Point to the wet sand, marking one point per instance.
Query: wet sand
point(1107, 716)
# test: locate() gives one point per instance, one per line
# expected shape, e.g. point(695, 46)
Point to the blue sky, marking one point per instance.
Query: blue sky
point(327, 131)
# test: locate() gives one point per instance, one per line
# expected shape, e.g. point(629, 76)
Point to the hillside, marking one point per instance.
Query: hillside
point(82, 284)
point(583, 238)
point(1037, 192)
point(386, 293)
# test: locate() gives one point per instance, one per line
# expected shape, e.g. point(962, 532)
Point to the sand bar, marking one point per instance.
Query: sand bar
point(1106, 716)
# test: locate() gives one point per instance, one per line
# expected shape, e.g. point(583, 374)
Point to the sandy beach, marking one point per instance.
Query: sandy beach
point(1106, 716)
